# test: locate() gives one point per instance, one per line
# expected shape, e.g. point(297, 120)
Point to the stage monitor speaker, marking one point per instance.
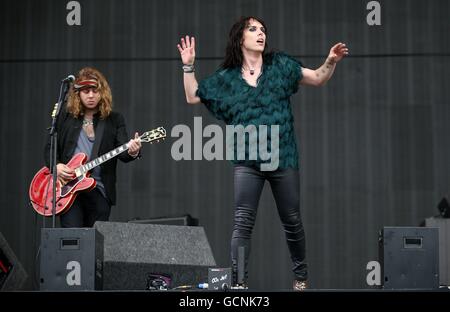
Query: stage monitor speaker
point(71, 259)
point(12, 273)
point(443, 224)
point(409, 257)
point(133, 252)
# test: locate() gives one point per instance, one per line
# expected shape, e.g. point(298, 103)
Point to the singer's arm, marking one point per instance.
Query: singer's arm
point(187, 53)
point(190, 88)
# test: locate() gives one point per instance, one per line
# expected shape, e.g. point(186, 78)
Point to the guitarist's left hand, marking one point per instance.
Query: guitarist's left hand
point(134, 146)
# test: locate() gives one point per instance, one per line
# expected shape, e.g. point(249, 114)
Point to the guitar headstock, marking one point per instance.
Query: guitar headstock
point(153, 135)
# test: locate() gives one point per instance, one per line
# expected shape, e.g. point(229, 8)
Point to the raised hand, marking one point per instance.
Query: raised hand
point(187, 50)
point(337, 52)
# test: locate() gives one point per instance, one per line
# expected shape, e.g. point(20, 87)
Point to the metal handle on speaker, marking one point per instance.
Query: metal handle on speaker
point(412, 242)
point(70, 243)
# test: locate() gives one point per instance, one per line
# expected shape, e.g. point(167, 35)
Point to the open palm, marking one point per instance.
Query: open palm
point(187, 50)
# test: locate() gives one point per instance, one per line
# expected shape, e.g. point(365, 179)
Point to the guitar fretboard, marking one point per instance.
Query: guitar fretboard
point(101, 159)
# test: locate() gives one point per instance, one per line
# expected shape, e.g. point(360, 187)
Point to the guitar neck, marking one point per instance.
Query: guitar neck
point(147, 137)
point(101, 159)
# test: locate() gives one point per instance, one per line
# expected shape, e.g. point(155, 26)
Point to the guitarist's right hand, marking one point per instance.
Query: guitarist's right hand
point(64, 173)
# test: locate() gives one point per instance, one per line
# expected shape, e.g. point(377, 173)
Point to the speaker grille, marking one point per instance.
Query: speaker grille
point(132, 251)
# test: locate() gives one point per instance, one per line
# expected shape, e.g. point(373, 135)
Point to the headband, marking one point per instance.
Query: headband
point(83, 84)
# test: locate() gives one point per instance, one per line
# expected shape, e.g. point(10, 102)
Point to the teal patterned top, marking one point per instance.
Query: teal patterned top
point(231, 99)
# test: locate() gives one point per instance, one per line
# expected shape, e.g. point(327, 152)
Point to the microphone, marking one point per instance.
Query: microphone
point(69, 78)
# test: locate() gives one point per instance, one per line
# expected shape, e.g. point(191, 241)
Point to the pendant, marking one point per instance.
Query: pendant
point(252, 71)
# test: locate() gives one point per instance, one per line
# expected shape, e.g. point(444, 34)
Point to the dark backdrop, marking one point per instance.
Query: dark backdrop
point(374, 143)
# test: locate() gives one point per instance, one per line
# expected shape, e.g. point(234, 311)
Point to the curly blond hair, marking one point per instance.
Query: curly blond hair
point(74, 105)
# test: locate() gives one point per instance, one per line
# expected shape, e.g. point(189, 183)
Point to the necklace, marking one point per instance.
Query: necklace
point(252, 71)
point(88, 122)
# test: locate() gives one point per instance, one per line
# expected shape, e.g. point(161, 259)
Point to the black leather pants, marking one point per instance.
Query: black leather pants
point(285, 184)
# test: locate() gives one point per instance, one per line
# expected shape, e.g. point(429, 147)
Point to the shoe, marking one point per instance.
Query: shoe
point(300, 285)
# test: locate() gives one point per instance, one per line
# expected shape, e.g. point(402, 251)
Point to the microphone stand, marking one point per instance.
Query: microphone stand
point(64, 88)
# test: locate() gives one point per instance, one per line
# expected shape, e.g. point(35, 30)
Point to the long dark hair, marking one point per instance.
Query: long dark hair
point(233, 52)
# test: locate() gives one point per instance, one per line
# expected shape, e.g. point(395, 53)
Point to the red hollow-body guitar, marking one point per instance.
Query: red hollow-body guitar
point(41, 193)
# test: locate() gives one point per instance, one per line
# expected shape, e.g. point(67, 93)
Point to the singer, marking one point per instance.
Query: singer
point(89, 125)
point(253, 87)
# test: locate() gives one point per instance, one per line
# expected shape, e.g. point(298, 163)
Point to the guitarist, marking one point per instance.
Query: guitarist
point(90, 126)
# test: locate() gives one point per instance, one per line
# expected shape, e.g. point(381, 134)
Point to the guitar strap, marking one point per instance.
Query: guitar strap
point(98, 138)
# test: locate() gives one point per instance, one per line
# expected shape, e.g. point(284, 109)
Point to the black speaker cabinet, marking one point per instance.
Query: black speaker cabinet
point(12, 273)
point(71, 259)
point(133, 252)
point(409, 257)
point(443, 225)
